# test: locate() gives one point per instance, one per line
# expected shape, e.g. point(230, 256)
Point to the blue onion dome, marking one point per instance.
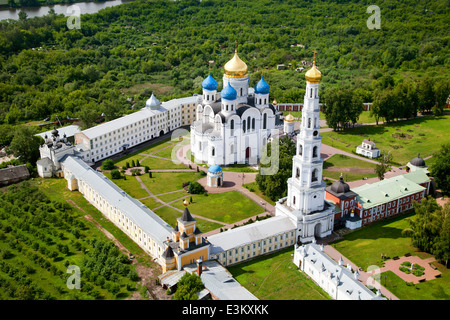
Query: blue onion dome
point(229, 93)
point(215, 169)
point(262, 87)
point(209, 83)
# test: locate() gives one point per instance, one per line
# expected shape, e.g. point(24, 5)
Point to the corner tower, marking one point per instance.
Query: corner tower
point(305, 203)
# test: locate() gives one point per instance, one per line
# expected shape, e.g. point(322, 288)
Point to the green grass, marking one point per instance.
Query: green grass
point(365, 246)
point(239, 168)
point(422, 135)
point(253, 187)
point(157, 163)
point(162, 182)
point(173, 196)
point(151, 203)
point(347, 166)
point(130, 186)
point(228, 207)
point(275, 277)
point(436, 289)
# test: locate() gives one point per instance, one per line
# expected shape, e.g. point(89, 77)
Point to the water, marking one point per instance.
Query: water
point(85, 7)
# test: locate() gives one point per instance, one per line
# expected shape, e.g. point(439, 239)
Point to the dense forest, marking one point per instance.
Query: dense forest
point(123, 53)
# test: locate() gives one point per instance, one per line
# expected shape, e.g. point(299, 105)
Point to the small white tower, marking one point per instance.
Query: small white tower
point(288, 124)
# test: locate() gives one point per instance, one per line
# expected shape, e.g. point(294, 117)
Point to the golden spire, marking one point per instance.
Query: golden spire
point(313, 75)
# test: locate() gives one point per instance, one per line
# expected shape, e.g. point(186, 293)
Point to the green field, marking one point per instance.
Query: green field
point(275, 277)
point(437, 289)
point(351, 168)
point(162, 182)
point(405, 139)
point(227, 207)
point(365, 246)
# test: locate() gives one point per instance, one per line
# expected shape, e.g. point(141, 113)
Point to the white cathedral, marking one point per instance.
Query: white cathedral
point(233, 126)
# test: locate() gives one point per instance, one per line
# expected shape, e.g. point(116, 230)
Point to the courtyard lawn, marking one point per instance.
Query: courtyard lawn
point(157, 163)
point(120, 163)
point(352, 168)
point(228, 207)
point(173, 196)
point(130, 186)
point(151, 203)
point(405, 139)
point(162, 182)
point(436, 289)
point(170, 215)
point(365, 246)
point(275, 277)
point(253, 187)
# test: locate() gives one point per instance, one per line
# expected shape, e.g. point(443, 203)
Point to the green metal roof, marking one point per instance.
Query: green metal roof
point(375, 194)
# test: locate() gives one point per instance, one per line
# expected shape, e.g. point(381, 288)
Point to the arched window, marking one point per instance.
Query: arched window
point(300, 150)
point(309, 122)
point(248, 123)
point(241, 93)
point(314, 152)
point(293, 200)
point(243, 125)
point(265, 100)
point(265, 121)
point(297, 173)
point(253, 124)
point(311, 93)
point(232, 127)
point(213, 151)
point(314, 175)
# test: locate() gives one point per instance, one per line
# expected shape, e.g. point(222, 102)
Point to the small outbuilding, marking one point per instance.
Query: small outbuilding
point(215, 176)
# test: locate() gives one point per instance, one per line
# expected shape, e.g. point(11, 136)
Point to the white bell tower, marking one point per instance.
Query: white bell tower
point(305, 202)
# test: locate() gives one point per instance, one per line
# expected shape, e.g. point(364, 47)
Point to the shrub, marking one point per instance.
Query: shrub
point(108, 164)
point(196, 188)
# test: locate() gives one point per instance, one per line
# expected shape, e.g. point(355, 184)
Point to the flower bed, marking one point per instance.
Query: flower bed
point(417, 270)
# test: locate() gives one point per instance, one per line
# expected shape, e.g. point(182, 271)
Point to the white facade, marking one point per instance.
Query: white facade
point(233, 128)
point(367, 148)
point(305, 203)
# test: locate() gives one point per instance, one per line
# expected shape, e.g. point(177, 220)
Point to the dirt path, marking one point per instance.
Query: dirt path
point(146, 274)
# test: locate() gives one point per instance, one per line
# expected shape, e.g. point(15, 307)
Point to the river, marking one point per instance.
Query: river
point(85, 7)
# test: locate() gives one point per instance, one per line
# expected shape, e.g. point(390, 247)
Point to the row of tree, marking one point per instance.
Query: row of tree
point(343, 105)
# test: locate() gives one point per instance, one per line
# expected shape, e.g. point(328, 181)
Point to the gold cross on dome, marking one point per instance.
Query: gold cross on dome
point(315, 51)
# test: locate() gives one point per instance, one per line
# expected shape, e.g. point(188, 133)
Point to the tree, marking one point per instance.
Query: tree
point(196, 188)
point(115, 174)
point(275, 186)
point(429, 229)
point(343, 106)
point(188, 286)
point(383, 167)
point(88, 115)
point(440, 170)
point(108, 164)
point(426, 94)
point(25, 145)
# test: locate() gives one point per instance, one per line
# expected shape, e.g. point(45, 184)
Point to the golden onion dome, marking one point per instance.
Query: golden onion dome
point(236, 68)
point(289, 118)
point(313, 75)
point(274, 102)
point(186, 202)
